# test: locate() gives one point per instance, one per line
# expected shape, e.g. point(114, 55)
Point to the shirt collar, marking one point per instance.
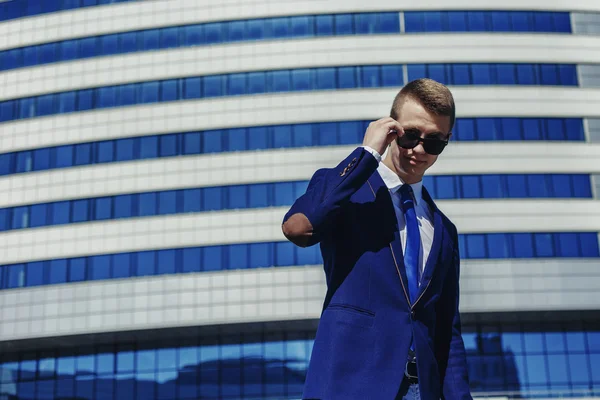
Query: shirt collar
point(394, 182)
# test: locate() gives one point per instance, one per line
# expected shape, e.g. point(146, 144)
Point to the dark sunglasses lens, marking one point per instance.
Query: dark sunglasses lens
point(434, 147)
point(408, 141)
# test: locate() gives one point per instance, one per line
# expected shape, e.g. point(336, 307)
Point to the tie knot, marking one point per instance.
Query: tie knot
point(406, 196)
point(406, 192)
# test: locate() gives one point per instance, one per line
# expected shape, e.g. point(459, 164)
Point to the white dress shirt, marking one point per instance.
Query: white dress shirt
point(422, 210)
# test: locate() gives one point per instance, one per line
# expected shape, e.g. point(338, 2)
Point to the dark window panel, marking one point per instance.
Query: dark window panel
point(522, 245)
point(257, 82)
point(476, 246)
point(77, 269)
point(589, 244)
point(347, 77)
point(280, 27)
point(192, 143)
point(213, 141)
point(124, 149)
point(237, 139)
point(537, 185)
point(147, 204)
point(343, 24)
point(167, 202)
point(192, 260)
point(414, 21)
point(544, 245)
point(532, 129)
point(258, 138)
point(567, 245)
point(192, 88)
point(501, 21)
point(169, 145)
point(110, 44)
point(434, 21)
point(213, 86)
point(39, 215)
point(148, 147)
point(121, 266)
point(324, 25)
point(236, 84)
point(169, 37)
point(471, 187)
point(582, 186)
point(389, 22)
point(302, 26)
point(326, 78)
point(193, 35)
point(124, 206)
point(145, 263)
point(499, 245)
point(56, 271)
point(103, 208)
point(301, 79)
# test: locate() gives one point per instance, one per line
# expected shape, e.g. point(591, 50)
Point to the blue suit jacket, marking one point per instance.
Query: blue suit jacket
point(364, 333)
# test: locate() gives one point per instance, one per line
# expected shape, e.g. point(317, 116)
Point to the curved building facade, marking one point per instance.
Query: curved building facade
point(149, 150)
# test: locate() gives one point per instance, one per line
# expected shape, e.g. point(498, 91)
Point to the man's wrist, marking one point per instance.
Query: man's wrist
point(373, 152)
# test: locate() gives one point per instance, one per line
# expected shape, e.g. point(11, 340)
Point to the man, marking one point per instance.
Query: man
point(390, 326)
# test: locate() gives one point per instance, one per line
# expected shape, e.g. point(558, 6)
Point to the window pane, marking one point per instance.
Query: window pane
point(145, 263)
point(282, 136)
point(445, 188)
point(124, 206)
point(302, 26)
point(192, 143)
point(103, 208)
point(124, 149)
point(517, 188)
point(391, 75)
point(492, 187)
point(169, 145)
point(148, 92)
point(166, 261)
point(167, 202)
point(498, 245)
point(325, 78)
point(482, 74)
point(121, 265)
point(471, 187)
point(149, 147)
point(476, 247)
point(370, 76)
point(105, 151)
point(169, 37)
point(192, 88)
point(99, 267)
point(212, 258)
point(20, 217)
point(169, 90)
point(57, 271)
point(343, 24)
point(544, 245)
point(523, 245)
point(213, 141)
point(147, 204)
point(39, 215)
point(236, 84)
point(258, 138)
point(302, 135)
point(433, 21)
point(35, 274)
point(347, 77)
point(301, 79)
point(256, 82)
point(193, 35)
point(324, 25)
point(213, 86)
point(60, 213)
point(77, 267)
point(532, 129)
point(213, 199)
point(280, 81)
point(192, 261)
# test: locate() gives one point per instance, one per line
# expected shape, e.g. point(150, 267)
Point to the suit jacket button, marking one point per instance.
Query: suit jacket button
point(413, 315)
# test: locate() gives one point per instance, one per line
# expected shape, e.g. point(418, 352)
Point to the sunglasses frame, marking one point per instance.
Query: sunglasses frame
point(419, 139)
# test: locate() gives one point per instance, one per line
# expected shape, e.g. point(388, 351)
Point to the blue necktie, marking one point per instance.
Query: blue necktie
point(413, 241)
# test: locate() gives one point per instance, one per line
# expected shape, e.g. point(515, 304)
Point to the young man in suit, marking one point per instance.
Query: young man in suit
point(390, 326)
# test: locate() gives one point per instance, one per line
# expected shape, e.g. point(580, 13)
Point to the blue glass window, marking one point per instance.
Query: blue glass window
point(347, 77)
point(213, 86)
point(301, 79)
point(302, 26)
point(343, 24)
point(149, 147)
point(324, 25)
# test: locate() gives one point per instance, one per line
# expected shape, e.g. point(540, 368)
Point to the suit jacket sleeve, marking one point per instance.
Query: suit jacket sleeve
point(330, 189)
point(450, 348)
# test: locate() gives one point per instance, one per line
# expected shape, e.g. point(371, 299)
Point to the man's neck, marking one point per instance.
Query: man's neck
point(406, 178)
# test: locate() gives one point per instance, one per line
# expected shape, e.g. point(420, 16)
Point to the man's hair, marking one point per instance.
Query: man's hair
point(434, 96)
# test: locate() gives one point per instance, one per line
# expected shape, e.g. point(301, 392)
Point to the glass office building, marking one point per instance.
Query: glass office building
point(149, 150)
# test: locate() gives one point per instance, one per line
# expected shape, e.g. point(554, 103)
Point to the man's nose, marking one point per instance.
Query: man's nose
point(419, 149)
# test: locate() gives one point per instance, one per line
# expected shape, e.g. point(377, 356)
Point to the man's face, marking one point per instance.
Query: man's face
point(414, 118)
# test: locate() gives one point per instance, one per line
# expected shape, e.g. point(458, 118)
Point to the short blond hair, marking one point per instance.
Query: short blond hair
point(434, 96)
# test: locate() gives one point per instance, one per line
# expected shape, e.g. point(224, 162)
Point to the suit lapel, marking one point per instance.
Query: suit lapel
point(438, 238)
point(376, 183)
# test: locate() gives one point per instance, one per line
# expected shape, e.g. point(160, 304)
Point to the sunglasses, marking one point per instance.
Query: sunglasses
point(411, 139)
